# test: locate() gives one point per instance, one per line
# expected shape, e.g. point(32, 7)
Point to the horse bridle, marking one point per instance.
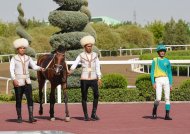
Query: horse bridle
point(53, 59)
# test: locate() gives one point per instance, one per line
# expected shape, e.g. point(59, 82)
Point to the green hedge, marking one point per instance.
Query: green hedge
point(144, 85)
point(6, 98)
point(120, 95)
point(180, 95)
point(143, 92)
point(185, 84)
point(106, 95)
point(172, 55)
point(110, 95)
point(114, 81)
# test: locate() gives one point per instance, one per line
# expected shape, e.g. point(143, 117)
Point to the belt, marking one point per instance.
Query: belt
point(22, 76)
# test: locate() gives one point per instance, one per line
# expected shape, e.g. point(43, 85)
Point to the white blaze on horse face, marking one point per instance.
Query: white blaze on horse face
point(58, 68)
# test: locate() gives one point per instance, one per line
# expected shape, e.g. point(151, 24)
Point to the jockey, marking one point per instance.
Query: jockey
point(161, 77)
point(90, 76)
point(19, 70)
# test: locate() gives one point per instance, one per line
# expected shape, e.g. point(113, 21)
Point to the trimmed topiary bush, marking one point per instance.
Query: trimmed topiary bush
point(68, 20)
point(144, 85)
point(114, 81)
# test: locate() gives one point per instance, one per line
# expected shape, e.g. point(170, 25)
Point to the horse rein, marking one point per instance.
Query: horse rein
point(50, 62)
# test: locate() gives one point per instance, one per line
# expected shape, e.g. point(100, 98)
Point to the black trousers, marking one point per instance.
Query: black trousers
point(19, 91)
point(85, 84)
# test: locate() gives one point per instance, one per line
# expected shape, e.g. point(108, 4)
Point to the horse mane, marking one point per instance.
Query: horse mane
point(44, 60)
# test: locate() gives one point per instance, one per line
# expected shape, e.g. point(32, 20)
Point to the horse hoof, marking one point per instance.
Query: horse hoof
point(52, 119)
point(67, 119)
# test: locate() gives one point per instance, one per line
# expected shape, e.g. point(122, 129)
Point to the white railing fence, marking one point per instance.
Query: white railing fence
point(7, 83)
point(177, 46)
point(140, 68)
point(119, 52)
point(139, 51)
point(8, 56)
point(135, 63)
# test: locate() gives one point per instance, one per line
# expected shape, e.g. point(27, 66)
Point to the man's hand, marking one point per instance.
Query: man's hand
point(154, 86)
point(15, 83)
point(170, 87)
point(69, 72)
point(42, 69)
point(99, 82)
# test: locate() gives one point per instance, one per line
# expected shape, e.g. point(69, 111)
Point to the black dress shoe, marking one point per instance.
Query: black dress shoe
point(19, 120)
point(86, 118)
point(32, 120)
point(94, 117)
point(154, 116)
point(168, 118)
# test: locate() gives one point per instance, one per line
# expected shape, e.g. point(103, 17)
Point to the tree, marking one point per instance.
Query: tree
point(157, 28)
point(182, 32)
point(107, 38)
point(176, 33)
point(136, 35)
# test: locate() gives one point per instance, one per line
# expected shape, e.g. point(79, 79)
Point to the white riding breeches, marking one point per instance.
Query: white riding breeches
point(162, 83)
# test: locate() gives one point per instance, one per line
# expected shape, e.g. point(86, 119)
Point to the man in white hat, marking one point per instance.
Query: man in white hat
point(21, 79)
point(90, 76)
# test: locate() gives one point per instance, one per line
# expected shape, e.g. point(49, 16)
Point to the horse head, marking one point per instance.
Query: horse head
point(59, 60)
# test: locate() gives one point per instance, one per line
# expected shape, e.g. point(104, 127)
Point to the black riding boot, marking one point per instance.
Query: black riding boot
point(30, 111)
point(19, 119)
point(84, 106)
point(95, 105)
point(51, 111)
point(154, 111)
point(167, 117)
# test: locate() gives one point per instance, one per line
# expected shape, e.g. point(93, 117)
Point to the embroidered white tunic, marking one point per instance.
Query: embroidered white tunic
point(90, 66)
point(19, 68)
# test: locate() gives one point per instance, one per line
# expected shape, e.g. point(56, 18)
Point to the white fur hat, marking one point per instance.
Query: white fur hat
point(87, 40)
point(22, 42)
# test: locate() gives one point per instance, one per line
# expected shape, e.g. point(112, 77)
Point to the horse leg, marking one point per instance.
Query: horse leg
point(41, 82)
point(67, 118)
point(52, 102)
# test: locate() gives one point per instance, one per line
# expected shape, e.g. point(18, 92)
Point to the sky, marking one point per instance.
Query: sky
point(141, 11)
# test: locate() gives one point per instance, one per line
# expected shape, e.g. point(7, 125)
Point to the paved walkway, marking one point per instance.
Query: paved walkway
point(124, 118)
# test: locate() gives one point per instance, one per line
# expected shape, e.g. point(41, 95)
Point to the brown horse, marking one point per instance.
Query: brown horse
point(56, 73)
